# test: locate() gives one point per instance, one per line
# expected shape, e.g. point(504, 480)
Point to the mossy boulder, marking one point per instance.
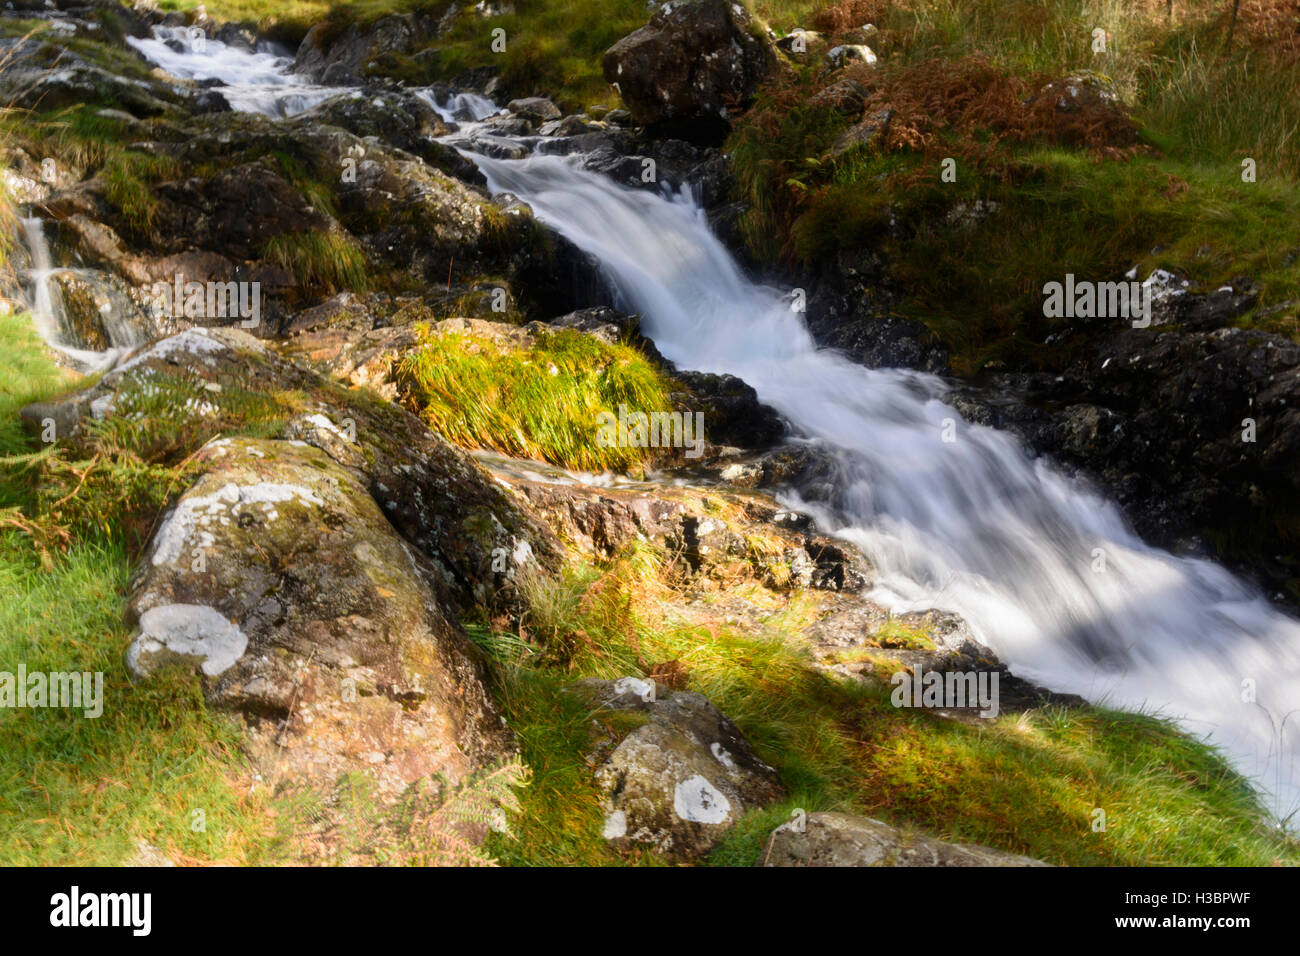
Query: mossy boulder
point(277, 577)
point(694, 61)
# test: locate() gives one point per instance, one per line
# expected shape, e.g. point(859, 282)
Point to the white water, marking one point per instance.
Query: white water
point(261, 82)
point(973, 526)
point(255, 82)
point(475, 106)
point(46, 307)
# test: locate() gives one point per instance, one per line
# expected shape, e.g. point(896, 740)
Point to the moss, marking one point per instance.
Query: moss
point(81, 790)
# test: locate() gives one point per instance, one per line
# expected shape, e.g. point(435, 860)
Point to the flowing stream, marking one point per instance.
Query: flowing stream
point(953, 515)
point(46, 304)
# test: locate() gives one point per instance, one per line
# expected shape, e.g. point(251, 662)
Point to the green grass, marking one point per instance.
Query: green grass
point(1087, 209)
point(77, 790)
point(539, 401)
point(1026, 783)
point(325, 262)
point(86, 144)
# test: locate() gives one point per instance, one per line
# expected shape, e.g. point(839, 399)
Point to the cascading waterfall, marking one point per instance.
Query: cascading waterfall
point(1046, 572)
point(46, 305)
point(459, 107)
point(257, 82)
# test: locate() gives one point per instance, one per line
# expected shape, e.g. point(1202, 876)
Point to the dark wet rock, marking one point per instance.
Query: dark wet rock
point(241, 36)
point(1160, 418)
point(209, 101)
point(338, 58)
point(850, 307)
point(733, 415)
point(683, 778)
point(845, 839)
point(695, 59)
point(535, 109)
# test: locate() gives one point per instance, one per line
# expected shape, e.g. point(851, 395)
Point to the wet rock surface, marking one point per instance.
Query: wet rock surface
point(1194, 433)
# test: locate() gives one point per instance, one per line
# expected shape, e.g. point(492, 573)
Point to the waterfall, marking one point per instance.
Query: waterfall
point(458, 107)
point(257, 82)
point(45, 302)
point(953, 515)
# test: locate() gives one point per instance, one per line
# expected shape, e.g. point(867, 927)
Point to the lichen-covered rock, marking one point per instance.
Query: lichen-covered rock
point(928, 641)
point(714, 537)
point(680, 72)
point(437, 497)
point(398, 118)
point(679, 781)
point(277, 577)
point(844, 839)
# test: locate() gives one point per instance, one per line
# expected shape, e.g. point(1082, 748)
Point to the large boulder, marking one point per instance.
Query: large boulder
point(684, 777)
point(277, 577)
point(844, 839)
point(339, 57)
point(222, 380)
point(716, 538)
point(694, 62)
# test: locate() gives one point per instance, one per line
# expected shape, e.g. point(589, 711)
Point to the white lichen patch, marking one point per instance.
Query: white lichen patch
point(615, 826)
point(192, 342)
point(200, 511)
point(187, 630)
point(102, 407)
point(322, 423)
point(695, 800)
point(722, 755)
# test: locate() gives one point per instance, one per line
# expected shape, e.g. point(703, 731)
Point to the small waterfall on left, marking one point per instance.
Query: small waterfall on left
point(49, 315)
